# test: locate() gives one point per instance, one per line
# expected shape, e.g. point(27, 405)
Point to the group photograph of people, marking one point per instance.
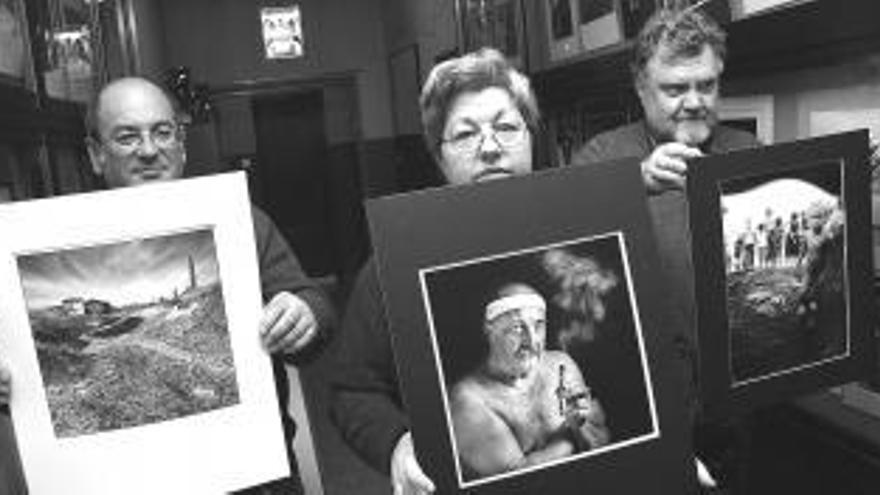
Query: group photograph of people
point(541, 352)
point(784, 258)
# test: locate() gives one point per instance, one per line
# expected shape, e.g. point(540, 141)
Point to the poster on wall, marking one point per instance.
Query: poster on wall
point(282, 32)
point(783, 279)
point(131, 339)
point(547, 309)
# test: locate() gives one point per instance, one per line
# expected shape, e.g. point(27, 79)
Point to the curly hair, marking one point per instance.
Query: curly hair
point(683, 32)
point(475, 71)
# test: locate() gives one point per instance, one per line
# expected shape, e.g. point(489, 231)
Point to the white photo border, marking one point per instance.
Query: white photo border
point(655, 429)
point(196, 454)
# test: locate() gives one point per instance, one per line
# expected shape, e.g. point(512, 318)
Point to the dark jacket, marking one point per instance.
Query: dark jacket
point(280, 271)
point(668, 210)
point(366, 402)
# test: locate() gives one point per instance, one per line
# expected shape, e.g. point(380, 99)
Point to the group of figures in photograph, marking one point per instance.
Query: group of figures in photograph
point(528, 365)
point(785, 264)
point(130, 333)
point(777, 242)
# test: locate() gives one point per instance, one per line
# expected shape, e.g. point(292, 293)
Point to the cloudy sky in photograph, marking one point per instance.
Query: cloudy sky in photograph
point(783, 197)
point(134, 271)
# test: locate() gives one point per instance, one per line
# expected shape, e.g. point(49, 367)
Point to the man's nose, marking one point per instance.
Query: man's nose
point(147, 147)
point(692, 100)
point(528, 335)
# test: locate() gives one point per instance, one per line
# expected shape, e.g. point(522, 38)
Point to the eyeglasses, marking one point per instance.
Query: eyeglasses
point(469, 140)
point(163, 135)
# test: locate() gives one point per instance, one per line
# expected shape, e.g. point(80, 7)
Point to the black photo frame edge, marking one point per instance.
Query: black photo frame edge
point(403, 246)
point(719, 397)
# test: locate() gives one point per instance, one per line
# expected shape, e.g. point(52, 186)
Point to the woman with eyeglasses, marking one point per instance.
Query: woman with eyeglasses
point(479, 116)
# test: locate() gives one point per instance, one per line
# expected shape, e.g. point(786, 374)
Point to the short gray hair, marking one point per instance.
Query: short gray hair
point(474, 71)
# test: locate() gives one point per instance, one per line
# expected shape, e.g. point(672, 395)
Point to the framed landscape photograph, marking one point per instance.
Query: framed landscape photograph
point(784, 279)
point(129, 325)
point(528, 338)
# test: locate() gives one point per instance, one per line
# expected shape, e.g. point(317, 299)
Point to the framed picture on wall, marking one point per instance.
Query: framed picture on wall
point(783, 280)
point(562, 28)
point(282, 32)
point(634, 13)
point(753, 114)
point(132, 342)
point(559, 291)
point(599, 23)
point(495, 23)
point(15, 58)
point(75, 51)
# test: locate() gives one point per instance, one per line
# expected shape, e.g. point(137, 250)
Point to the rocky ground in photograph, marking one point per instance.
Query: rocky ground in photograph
point(769, 327)
point(139, 365)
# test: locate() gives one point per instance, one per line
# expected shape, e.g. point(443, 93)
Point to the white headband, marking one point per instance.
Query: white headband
point(504, 304)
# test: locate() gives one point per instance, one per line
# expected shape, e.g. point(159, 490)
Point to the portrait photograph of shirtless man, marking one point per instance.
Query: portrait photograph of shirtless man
point(541, 357)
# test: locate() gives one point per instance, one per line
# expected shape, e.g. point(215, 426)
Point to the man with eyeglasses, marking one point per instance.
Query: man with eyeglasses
point(523, 405)
point(135, 139)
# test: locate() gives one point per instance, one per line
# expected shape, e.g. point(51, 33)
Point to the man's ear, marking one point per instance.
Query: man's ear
point(639, 85)
point(96, 155)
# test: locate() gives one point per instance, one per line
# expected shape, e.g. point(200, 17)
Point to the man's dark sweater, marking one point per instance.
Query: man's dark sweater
point(668, 210)
point(721, 446)
point(280, 271)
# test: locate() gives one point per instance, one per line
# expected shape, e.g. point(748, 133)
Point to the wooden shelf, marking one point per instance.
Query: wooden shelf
point(819, 33)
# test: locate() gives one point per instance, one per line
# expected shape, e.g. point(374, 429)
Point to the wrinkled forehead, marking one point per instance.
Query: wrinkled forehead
point(484, 105)
point(140, 108)
point(517, 306)
point(670, 64)
point(533, 318)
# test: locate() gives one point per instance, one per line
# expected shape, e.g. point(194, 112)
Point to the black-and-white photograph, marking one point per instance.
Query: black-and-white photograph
point(785, 250)
point(129, 333)
point(542, 356)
